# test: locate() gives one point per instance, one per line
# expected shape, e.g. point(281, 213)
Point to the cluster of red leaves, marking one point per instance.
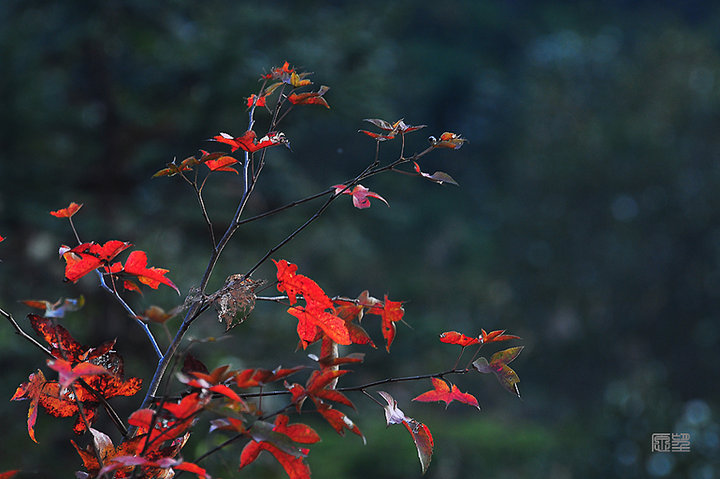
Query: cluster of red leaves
point(87, 257)
point(331, 320)
point(317, 319)
point(320, 388)
point(158, 440)
point(498, 363)
point(283, 441)
point(287, 75)
point(94, 373)
point(249, 142)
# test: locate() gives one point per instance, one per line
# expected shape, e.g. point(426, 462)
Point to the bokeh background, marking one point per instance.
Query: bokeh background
point(587, 220)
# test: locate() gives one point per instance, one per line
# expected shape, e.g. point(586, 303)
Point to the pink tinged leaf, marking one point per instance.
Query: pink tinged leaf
point(393, 414)
point(360, 195)
point(497, 365)
point(419, 431)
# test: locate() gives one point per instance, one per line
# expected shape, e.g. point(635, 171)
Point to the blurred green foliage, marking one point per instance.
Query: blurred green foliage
point(587, 220)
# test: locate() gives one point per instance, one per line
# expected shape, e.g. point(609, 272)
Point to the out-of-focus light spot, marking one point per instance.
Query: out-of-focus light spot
point(624, 208)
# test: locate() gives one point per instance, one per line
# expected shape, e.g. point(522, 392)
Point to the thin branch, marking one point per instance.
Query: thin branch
point(21, 332)
point(287, 206)
point(203, 209)
point(143, 326)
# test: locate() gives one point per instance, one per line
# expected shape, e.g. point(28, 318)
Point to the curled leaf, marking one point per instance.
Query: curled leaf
point(447, 140)
point(222, 164)
point(58, 308)
point(420, 433)
point(438, 177)
point(310, 98)
point(498, 365)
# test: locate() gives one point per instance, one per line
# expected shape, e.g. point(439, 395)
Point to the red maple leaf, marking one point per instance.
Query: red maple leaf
point(309, 319)
point(87, 257)
point(256, 100)
point(68, 211)
point(310, 98)
point(319, 387)
point(136, 264)
point(31, 390)
point(494, 336)
point(214, 381)
point(390, 312)
point(281, 441)
point(259, 377)
point(338, 420)
point(222, 164)
point(69, 373)
point(442, 392)
point(318, 314)
point(249, 142)
point(359, 194)
point(453, 337)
